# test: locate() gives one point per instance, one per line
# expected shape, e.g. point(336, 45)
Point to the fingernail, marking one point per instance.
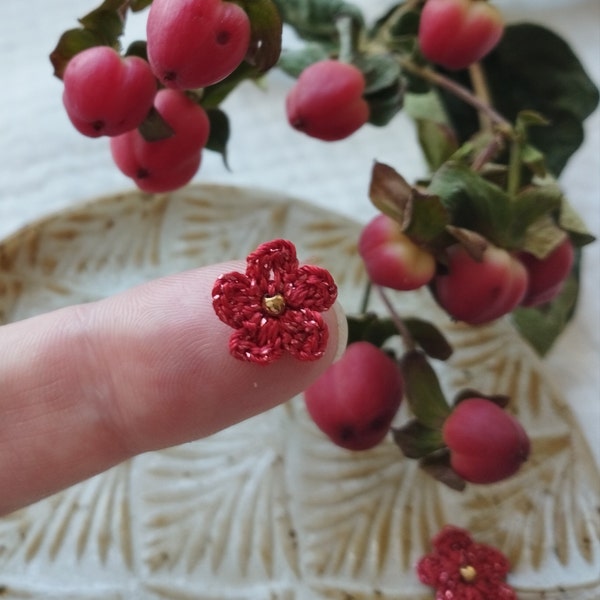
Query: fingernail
point(342, 329)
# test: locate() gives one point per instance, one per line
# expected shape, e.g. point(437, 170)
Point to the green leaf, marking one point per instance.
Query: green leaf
point(315, 20)
point(438, 142)
point(531, 204)
point(390, 193)
point(571, 222)
point(429, 338)
point(137, 5)
point(429, 219)
point(102, 26)
point(426, 106)
point(385, 104)
point(219, 132)
point(293, 62)
point(437, 465)
point(71, 43)
point(473, 202)
point(380, 71)
point(533, 69)
point(422, 217)
point(542, 236)
point(500, 400)
point(534, 159)
point(384, 87)
point(397, 29)
point(213, 95)
point(423, 390)
point(138, 48)
point(371, 328)
point(265, 33)
point(416, 440)
point(107, 24)
point(155, 128)
point(541, 326)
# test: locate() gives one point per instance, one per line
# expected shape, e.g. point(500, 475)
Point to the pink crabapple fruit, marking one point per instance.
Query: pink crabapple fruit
point(478, 292)
point(196, 43)
point(105, 94)
point(391, 258)
point(486, 443)
point(326, 102)
point(164, 165)
point(356, 399)
point(457, 33)
point(547, 275)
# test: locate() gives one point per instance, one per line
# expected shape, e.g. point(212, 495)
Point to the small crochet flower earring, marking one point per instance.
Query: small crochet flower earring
point(275, 306)
point(461, 569)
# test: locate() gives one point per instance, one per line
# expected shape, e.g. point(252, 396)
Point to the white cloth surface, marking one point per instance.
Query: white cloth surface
point(46, 165)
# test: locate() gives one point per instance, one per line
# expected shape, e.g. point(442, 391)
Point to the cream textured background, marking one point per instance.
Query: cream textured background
point(45, 165)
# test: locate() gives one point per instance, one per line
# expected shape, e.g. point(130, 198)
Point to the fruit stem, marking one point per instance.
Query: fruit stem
point(488, 153)
point(458, 90)
point(364, 305)
point(514, 168)
point(407, 338)
point(482, 92)
point(346, 33)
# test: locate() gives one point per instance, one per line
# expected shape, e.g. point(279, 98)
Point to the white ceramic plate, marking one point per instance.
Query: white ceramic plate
point(269, 509)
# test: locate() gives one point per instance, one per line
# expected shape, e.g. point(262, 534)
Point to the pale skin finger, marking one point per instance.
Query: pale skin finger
point(87, 387)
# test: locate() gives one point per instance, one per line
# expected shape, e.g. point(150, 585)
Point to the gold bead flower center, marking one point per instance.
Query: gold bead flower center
point(468, 573)
point(274, 305)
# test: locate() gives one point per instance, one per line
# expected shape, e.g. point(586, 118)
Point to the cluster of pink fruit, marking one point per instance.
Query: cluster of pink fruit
point(190, 45)
point(327, 101)
point(355, 403)
point(194, 44)
point(472, 290)
point(486, 443)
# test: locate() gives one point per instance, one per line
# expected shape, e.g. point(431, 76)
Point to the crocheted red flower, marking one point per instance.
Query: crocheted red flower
point(275, 306)
point(461, 569)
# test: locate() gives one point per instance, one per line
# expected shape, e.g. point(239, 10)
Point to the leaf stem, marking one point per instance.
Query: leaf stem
point(514, 168)
point(364, 305)
point(488, 153)
point(458, 90)
point(482, 92)
point(345, 28)
point(407, 339)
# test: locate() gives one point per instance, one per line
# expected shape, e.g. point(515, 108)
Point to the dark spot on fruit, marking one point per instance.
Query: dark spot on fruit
point(223, 37)
point(142, 174)
point(347, 433)
point(378, 423)
point(98, 125)
point(170, 76)
point(298, 124)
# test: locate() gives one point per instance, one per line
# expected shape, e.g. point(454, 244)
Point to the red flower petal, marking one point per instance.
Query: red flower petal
point(304, 334)
point(235, 299)
point(312, 287)
point(455, 550)
point(270, 262)
point(257, 342)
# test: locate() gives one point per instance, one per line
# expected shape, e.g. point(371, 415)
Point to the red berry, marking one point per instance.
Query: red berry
point(105, 94)
point(166, 164)
point(196, 43)
point(457, 33)
point(391, 258)
point(480, 291)
point(327, 101)
point(486, 443)
point(355, 400)
point(547, 275)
